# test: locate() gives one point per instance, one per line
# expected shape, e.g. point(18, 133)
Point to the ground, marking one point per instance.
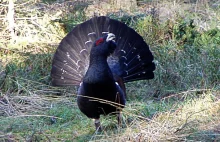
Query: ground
point(182, 102)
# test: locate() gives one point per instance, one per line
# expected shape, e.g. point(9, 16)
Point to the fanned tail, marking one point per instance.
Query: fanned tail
point(132, 59)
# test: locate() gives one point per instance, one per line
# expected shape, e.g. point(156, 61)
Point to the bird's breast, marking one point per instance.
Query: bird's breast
point(98, 75)
point(104, 90)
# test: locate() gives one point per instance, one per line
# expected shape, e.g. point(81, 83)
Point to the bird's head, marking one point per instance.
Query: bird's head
point(104, 45)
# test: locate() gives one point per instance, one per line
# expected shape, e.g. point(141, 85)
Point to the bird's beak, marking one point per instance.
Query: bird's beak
point(110, 37)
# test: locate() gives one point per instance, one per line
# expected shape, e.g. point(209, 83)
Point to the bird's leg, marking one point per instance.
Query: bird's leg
point(98, 125)
point(119, 116)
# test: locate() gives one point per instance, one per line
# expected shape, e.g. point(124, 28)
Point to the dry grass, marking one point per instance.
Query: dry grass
point(33, 27)
point(193, 116)
point(189, 118)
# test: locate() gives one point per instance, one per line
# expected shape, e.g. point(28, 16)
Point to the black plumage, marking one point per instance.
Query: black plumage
point(101, 55)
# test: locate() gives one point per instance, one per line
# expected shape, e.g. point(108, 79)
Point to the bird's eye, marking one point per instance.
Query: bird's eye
point(101, 40)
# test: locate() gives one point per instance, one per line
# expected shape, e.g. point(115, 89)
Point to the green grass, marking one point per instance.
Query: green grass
point(180, 103)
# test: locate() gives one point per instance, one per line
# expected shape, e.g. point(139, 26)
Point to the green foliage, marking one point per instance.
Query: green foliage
point(185, 32)
point(74, 18)
point(49, 1)
point(35, 67)
point(186, 58)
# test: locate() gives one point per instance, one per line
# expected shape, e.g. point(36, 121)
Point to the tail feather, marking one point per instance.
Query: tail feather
point(135, 57)
point(138, 77)
point(132, 59)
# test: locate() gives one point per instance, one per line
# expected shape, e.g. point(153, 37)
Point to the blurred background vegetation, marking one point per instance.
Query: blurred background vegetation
point(180, 104)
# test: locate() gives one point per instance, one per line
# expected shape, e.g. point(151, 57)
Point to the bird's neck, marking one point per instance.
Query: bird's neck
point(98, 70)
point(98, 60)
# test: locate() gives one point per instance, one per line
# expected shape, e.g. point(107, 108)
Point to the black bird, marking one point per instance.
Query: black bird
point(100, 55)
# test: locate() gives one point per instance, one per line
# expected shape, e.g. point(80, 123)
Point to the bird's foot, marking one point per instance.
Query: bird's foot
point(119, 118)
point(98, 125)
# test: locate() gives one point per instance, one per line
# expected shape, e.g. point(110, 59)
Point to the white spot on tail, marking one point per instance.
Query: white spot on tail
point(139, 57)
point(67, 54)
point(92, 33)
point(126, 72)
point(82, 50)
point(123, 51)
point(124, 57)
point(77, 62)
point(63, 71)
point(78, 67)
point(88, 41)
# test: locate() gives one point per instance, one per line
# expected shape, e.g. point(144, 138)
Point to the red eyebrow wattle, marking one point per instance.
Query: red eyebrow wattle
point(99, 41)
